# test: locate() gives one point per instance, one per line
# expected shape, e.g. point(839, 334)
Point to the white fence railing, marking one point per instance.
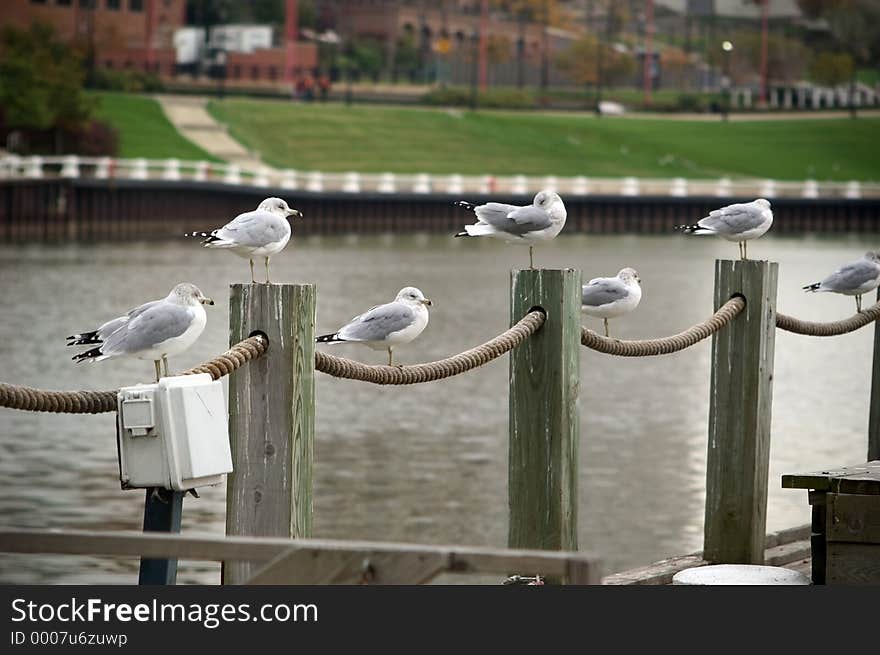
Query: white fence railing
point(173, 170)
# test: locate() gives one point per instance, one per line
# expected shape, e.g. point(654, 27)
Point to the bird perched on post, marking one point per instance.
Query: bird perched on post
point(740, 222)
point(610, 297)
point(152, 331)
point(385, 326)
point(852, 279)
point(529, 224)
point(260, 233)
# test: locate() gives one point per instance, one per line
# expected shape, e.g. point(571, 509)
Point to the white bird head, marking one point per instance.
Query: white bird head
point(551, 203)
point(763, 203)
point(278, 206)
point(629, 275)
point(412, 296)
point(188, 294)
point(873, 256)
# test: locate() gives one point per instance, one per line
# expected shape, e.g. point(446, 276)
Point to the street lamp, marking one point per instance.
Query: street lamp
point(727, 47)
point(475, 44)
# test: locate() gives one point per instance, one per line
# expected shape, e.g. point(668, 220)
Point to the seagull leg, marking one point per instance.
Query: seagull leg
point(859, 304)
point(253, 281)
point(165, 364)
point(267, 271)
point(531, 261)
point(745, 249)
point(606, 327)
point(390, 356)
point(156, 363)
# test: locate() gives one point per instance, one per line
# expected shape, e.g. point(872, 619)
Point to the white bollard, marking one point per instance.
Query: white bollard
point(722, 189)
point(102, 168)
point(422, 183)
point(454, 184)
point(139, 169)
point(172, 169)
point(519, 185)
point(768, 189)
point(550, 182)
point(739, 574)
point(262, 177)
point(315, 181)
point(630, 187)
point(34, 167)
point(288, 179)
point(853, 190)
point(70, 168)
point(580, 186)
point(487, 184)
point(351, 183)
point(810, 190)
point(201, 173)
point(679, 187)
point(233, 175)
point(387, 183)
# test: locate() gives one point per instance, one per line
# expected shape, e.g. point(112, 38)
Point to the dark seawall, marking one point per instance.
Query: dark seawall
point(117, 210)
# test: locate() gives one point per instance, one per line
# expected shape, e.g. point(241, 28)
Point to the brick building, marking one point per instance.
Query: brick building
point(119, 33)
point(139, 35)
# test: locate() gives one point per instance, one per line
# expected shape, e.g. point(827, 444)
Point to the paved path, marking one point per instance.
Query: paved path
point(191, 118)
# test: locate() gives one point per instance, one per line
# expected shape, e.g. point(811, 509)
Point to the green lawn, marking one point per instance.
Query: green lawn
point(335, 137)
point(144, 131)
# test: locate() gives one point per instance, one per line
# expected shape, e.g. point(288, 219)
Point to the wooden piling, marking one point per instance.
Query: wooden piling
point(874, 421)
point(271, 417)
point(739, 415)
point(544, 421)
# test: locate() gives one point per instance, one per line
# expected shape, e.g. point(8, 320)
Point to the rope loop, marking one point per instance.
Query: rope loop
point(665, 345)
point(98, 402)
point(341, 367)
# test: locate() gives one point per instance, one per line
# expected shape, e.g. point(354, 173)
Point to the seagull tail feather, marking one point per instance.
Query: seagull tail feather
point(329, 338)
point(93, 355)
point(84, 338)
point(812, 287)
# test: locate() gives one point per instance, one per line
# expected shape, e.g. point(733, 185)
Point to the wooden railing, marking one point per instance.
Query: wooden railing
point(74, 167)
point(313, 561)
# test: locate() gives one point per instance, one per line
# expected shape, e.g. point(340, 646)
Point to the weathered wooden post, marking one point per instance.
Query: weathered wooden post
point(739, 415)
point(874, 422)
point(544, 421)
point(271, 417)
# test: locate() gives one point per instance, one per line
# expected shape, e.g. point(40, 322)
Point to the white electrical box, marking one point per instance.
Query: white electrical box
point(173, 434)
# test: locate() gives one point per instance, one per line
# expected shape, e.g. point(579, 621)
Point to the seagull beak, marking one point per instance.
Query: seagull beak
point(206, 301)
point(294, 212)
point(426, 302)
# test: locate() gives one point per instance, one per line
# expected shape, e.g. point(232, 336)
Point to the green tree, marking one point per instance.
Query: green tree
point(582, 59)
point(831, 69)
point(41, 81)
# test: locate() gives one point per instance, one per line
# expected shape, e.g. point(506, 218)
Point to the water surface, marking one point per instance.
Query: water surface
point(428, 463)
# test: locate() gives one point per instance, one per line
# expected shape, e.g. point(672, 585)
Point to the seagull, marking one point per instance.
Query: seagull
point(610, 297)
point(740, 223)
point(540, 221)
point(385, 326)
point(852, 279)
point(153, 330)
point(261, 233)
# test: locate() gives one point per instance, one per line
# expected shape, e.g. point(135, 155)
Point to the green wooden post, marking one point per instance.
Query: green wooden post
point(544, 421)
point(874, 423)
point(739, 415)
point(271, 417)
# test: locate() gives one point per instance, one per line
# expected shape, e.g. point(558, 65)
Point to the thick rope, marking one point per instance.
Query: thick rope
point(833, 329)
point(430, 371)
point(665, 345)
point(97, 402)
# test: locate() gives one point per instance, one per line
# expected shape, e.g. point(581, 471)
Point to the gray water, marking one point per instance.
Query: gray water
point(428, 463)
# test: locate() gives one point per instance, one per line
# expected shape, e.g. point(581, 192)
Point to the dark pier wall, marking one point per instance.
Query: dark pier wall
point(114, 210)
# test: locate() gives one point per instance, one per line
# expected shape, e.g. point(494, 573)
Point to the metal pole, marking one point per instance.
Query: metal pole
point(163, 510)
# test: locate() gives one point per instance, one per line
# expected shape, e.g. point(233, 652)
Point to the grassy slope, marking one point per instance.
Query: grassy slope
point(144, 131)
point(373, 139)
